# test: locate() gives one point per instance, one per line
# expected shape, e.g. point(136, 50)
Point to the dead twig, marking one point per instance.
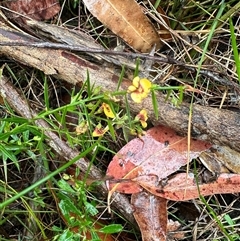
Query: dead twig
point(91, 48)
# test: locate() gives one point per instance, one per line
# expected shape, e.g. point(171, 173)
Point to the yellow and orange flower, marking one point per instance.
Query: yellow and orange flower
point(107, 110)
point(139, 89)
point(142, 117)
point(99, 131)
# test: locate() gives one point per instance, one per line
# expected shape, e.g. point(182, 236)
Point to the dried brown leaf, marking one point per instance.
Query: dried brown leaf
point(151, 216)
point(126, 19)
point(35, 9)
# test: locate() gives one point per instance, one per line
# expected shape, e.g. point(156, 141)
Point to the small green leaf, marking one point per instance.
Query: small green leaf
point(111, 129)
point(112, 228)
point(235, 48)
point(46, 89)
point(168, 94)
point(88, 84)
point(121, 77)
point(68, 207)
point(65, 186)
point(9, 155)
point(180, 97)
point(56, 229)
point(67, 235)
point(91, 209)
point(229, 220)
point(136, 71)
point(94, 236)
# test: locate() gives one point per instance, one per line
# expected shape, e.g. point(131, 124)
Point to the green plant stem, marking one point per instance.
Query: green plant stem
point(156, 4)
point(228, 14)
point(235, 48)
point(213, 214)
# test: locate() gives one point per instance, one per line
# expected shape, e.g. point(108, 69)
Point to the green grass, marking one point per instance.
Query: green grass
point(235, 49)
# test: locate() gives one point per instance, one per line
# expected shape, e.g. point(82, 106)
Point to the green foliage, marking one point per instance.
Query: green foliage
point(79, 213)
point(91, 109)
point(17, 136)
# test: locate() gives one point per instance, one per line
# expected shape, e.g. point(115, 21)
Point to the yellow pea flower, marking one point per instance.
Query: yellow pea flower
point(139, 89)
point(82, 128)
point(107, 110)
point(142, 117)
point(99, 131)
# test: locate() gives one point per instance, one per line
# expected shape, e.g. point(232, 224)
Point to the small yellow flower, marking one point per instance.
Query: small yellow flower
point(139, 89)
point(142, 117)
point(82, 128)
point(108, 111)
point(99, 131)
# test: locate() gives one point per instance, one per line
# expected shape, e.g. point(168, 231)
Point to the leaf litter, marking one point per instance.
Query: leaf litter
point(157, 155)
point(142, 168)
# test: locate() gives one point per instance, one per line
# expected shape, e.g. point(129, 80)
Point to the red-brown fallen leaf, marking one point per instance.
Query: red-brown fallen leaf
point(151, 215)
point(142, 164)
point(156, 155)
point(35, 9)
point(184, 187)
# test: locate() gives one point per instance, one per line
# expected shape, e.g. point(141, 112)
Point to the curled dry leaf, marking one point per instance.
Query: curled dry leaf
point(183, 187)
point(150, 159)
point(35, 9)
point(126, 19)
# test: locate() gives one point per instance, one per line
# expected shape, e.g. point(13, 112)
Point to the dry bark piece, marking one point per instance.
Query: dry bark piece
point(126, 19)
point(221, 159)
point(213, 165)
point(227, 157)
point(78, 38)
point(35, 9)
